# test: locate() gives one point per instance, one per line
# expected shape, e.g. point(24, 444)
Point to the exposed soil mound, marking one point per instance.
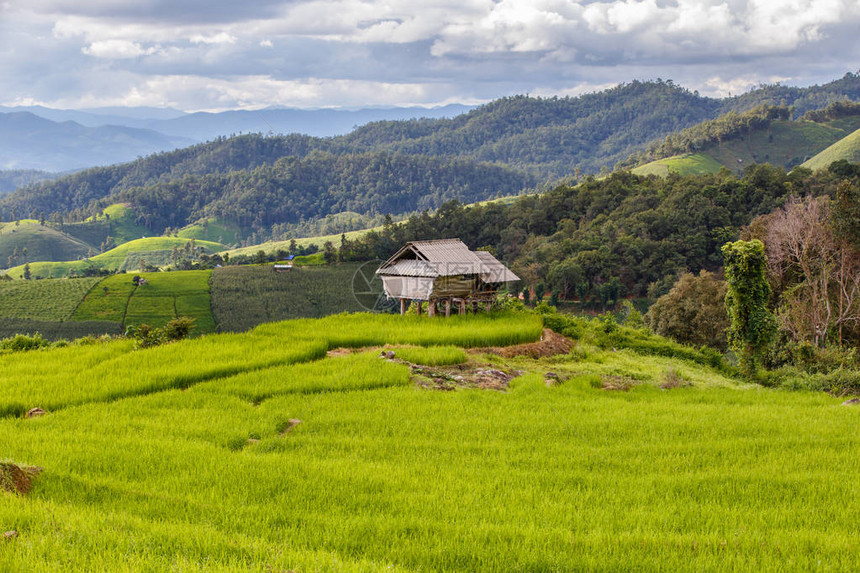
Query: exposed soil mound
point(17, 479)
point(550, 344)
point(617, 383)
point(291, 423)
point(462, 376)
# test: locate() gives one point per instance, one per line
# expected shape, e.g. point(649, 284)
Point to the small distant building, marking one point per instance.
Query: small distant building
point(443, 271)
point(283, 266)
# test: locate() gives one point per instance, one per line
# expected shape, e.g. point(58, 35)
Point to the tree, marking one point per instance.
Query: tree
point(814, 262)
point(27, 276)
point(751, 325)
point(693, 311)
point(563, 277)
point(329, 253)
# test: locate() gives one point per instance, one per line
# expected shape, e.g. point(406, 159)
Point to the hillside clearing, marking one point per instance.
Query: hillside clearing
point(154, 251)
point(847, 148)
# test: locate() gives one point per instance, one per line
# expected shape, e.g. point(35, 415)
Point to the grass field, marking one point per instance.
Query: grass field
point(214, 229)
point(165, 296)
point(343, 464)
point(275, 246)
point(847, 148)
point(153, 251)
point(121, 223)
point(785, 143)
point(42, 243)
point(43, 300)
point(692, 164)
point(245, 296)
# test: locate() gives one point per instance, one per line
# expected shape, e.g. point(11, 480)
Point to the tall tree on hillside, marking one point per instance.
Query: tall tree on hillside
point(814, 263)
point(751, 325)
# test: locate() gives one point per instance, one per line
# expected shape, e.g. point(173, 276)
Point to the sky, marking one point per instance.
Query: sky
point(213, 55)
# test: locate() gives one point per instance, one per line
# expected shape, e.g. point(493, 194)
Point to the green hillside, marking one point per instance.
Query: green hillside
point(847, 148)
point(738, 141)
point(154, 251)
point(120, 222)
point(257, 452)
point(212, 229)
point(30, 241)
point(275, 246)
point(692, 164)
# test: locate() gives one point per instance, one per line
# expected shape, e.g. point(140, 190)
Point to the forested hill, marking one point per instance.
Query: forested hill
point(499, 148)
point(295, 188)
point(549, 137)
point(621, 235)
point(802, 100)
point(546, 138)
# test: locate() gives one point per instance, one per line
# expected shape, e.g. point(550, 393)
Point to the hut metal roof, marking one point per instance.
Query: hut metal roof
point(445, 257)
point(493, 270)
point(410, 268)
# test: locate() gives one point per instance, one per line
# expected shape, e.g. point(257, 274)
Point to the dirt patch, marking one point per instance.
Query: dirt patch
point(550, 344)
point(462, 376)
point(291, 423)
point(617, 383)
point(10, 535)
point(851, 402)
point(338, 352)
point(17, 479)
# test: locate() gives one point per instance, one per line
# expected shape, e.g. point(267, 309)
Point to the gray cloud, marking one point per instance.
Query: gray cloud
point(217, 54)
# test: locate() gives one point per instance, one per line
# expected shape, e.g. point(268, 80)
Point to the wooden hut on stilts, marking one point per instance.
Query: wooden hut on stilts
point(446, 274)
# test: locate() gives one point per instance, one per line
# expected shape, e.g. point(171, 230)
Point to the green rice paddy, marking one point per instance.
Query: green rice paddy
point(165, 296)
point(255, 452)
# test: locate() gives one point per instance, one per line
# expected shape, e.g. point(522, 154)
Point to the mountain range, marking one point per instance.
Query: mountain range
point(265, 186)
point(54, 140)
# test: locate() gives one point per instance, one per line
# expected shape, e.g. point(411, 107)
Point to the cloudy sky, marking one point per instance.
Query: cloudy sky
point(218, 54)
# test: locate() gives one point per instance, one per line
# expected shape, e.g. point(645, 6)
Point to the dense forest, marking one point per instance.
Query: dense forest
point(623, 235)
point(802, 100)
point(11, 179)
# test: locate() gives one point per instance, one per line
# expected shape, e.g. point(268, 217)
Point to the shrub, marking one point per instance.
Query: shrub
point(841, 381)
point(146, 336)
point(23, 343)
point(178, 328)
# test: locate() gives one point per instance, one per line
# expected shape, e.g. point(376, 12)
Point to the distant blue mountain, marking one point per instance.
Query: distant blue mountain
point(36, 137)
point(316, 122)
point(28, 141)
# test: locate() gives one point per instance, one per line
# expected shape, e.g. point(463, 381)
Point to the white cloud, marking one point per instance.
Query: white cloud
point(118, 49)
point(219, 38)
point(207, 55)
point(198, 93)
point(720, 87)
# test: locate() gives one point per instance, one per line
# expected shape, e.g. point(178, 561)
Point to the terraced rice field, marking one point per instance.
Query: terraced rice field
point(256, 452)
